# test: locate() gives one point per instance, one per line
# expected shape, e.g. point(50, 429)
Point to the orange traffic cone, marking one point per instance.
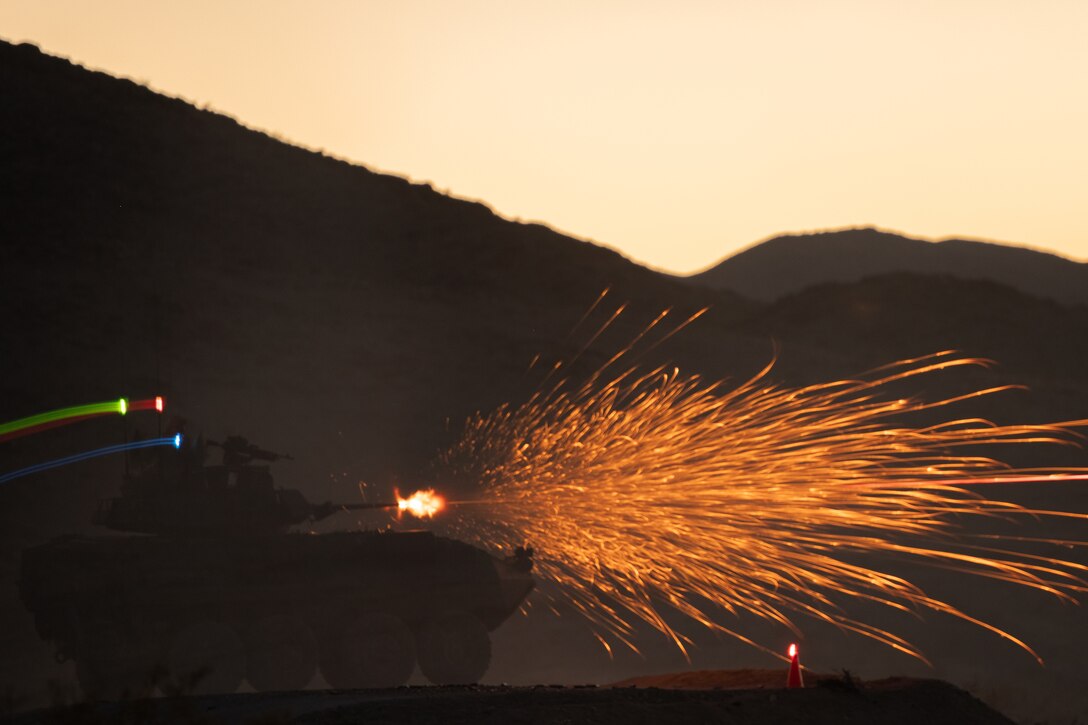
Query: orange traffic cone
point(794, 679)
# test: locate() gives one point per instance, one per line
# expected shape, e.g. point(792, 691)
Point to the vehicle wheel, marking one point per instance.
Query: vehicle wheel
point(111, 666)
point(454, 649)
point(376, 651)
point(207, 657)
point(115, 676)
point(281, 654)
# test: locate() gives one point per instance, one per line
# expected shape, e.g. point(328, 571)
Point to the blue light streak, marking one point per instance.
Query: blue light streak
point(174, 441)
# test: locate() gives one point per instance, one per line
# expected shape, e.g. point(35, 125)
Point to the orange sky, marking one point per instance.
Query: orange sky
point(675, 132)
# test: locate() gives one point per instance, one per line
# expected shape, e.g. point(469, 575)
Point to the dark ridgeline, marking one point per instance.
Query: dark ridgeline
point(790, 263)
point(149, 245)
point(354, 318)
point(896, 315)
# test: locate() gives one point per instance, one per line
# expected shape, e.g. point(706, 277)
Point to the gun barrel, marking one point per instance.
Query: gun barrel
point(327, 509)
point(366, 506)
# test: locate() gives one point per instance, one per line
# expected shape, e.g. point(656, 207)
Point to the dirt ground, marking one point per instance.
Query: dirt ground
point(749, 697)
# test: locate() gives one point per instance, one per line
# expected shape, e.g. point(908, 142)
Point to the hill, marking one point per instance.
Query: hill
point(903, 315)
point(150, 247)
point(264, 287)
point(789, 263)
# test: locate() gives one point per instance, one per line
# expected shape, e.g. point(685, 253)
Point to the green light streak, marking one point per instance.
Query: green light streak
point(77, 411)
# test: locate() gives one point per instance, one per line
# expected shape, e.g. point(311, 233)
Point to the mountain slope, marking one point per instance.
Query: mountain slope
point(167, 248)
point(150, 247)
point(905, 315)
point(789, 263)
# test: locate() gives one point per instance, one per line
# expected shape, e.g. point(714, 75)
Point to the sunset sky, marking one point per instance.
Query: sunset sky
point(675, 132)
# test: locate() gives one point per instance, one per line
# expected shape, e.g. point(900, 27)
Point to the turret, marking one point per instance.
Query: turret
point(174, 493)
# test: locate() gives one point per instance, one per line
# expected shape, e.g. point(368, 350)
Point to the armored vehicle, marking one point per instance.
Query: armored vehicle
point(209, 588)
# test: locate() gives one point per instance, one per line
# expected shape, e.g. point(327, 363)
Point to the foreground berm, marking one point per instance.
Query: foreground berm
point(840, 702)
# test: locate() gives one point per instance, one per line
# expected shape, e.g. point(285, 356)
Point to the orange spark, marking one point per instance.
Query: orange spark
point(421, 504)
point(654, 492)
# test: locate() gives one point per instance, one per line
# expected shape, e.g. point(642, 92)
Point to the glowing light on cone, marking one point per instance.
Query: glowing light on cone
point(794, 679)
point(422, 504)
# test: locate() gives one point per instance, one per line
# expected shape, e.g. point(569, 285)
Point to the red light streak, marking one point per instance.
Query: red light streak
point(157, 404)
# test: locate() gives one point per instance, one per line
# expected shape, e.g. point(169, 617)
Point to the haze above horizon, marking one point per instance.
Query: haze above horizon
point(677, 136)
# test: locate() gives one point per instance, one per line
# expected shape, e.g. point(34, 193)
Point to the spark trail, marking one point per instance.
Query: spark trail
point(650, 494)
point(66, 416)
point(174, 441)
